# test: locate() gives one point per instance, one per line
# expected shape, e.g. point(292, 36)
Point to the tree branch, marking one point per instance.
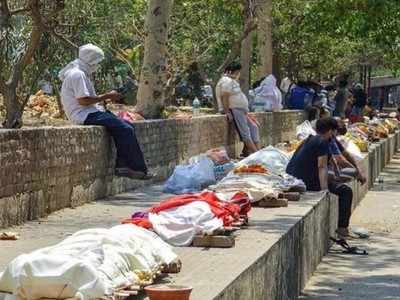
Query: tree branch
point(62, 38)
point(34, 42)
point(3, 86)
point(51, 29)
point(5, 14)
point(250, 26)
point(19, 10)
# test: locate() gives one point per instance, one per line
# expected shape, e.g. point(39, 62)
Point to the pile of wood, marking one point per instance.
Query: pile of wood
point(42, 105)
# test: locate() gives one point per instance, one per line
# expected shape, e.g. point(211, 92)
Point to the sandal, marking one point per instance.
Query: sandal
point(347, 248)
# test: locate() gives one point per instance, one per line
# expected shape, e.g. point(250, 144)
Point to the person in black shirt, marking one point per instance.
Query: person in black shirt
point(360, 100)
point(310, 164)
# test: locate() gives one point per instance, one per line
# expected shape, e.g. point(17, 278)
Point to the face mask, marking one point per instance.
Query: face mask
point(93, 68)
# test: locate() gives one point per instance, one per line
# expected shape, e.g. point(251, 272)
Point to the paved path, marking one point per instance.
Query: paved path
point(373, 277)
point(208, 270)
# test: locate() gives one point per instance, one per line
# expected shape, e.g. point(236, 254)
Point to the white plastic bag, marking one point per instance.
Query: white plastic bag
point(351, 148)
point(304, 130)
point(191, 178)
point(270, 157)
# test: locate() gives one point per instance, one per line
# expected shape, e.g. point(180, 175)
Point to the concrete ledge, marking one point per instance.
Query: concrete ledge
point(292, 241)
point(273, 259)
point(47, 169)
point(277, 255)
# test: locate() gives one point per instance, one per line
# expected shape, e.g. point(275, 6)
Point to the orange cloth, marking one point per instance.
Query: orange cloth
point(141, 222)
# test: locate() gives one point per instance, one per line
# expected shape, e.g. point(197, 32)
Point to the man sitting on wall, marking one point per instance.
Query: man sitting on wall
point(81, 105)
point(234, 104)
point(310, 163)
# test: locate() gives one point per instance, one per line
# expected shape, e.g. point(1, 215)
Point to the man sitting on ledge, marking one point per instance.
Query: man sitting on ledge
point(80, 103)
point(310, 164)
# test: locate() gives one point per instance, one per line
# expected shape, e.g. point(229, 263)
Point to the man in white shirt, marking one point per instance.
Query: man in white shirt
point(81, 105)
point(234, 104)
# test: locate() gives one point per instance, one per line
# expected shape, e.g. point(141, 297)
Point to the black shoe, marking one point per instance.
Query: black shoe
point(129, 173)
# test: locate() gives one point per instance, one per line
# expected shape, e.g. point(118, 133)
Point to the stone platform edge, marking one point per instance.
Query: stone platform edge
point(46, 169)
point(283, 271)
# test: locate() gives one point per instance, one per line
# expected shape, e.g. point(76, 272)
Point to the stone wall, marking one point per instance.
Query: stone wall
point(46, 169)
point(284, 269)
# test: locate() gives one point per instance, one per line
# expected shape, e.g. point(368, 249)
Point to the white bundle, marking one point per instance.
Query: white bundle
point(90, 264)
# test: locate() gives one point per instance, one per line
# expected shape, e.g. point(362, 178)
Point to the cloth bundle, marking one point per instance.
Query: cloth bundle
point(272, 159)
point(90, 264)
point(178, 219)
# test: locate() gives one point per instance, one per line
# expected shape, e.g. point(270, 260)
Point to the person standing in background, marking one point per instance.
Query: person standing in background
point(341, 98)
point(360, 100)
point(234, 104)
point(269, 94)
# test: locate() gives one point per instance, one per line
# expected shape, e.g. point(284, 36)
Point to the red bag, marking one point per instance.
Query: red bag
point(129, 116)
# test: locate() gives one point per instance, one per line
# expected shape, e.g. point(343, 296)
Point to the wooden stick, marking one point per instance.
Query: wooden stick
point(132, 292)
point(122, 294)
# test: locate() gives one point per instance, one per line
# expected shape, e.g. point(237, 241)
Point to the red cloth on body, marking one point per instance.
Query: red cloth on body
point(228, 212)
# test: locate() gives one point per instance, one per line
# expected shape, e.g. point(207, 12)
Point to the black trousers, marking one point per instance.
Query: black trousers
point(129, 153)
point(345, 195)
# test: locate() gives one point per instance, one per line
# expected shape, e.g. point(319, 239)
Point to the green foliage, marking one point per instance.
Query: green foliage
point(328, 37)
point(203, 31)
point(312, 38)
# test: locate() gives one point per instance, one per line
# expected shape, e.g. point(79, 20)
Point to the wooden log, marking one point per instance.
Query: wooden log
point(173, 268)
point(121, 294)
point(225, 231)
point(73, 298)
point(297, 189)
point(272, 203)
point(130, 292)
point(293, 196)
point(214, 241)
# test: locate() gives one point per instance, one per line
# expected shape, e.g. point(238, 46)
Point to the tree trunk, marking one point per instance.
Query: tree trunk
point(291, 65)
point(245, 60)
point(276, 67)
point(150, 98)
point(13, 109)
point(246, 54)
point(264, 37)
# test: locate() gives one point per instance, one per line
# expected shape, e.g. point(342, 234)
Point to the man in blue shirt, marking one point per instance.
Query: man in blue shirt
point(310, 164)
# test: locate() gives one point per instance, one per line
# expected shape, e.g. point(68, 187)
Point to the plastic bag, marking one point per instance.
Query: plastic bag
point(270, 157)
point(218, 155)
point(351, 148)
point(191, 178)
point(129, 116)
point(304, 130)
point(300, 98)
point(221, 171)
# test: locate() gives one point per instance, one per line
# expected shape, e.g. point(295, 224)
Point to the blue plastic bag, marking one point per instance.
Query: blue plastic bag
point(300, 98)
point(191, 178)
